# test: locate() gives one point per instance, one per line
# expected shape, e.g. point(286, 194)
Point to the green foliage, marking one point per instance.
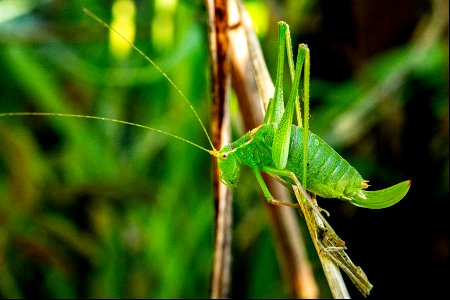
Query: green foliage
point(91, 209)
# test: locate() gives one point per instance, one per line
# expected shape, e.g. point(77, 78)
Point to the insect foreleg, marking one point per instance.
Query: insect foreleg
point(270, 199)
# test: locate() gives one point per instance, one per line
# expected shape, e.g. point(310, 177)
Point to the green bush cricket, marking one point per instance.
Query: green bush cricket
point(277, 146)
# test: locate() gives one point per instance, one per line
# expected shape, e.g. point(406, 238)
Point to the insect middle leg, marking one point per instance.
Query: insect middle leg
point(288, 174)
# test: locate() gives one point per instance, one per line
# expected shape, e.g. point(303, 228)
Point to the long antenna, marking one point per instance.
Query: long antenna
point(96, 18)
point(212, 152)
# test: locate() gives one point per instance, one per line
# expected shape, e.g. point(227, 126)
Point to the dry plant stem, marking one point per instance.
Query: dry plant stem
point(220, 127)
point(330, 269)
point(330, 248)
point(253, 86)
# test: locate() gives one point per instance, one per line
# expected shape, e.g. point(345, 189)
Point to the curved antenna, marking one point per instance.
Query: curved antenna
point(212, 152)
point(104, 24)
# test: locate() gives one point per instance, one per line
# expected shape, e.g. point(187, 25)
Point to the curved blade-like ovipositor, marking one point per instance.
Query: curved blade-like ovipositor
point(382, 198)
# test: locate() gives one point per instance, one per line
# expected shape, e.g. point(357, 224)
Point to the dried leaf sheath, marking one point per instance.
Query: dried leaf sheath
point(220, 127)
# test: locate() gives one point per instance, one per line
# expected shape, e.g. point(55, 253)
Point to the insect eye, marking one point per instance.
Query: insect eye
point(225, 155)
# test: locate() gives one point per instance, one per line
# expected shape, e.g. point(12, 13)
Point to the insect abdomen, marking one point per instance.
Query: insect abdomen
point(328, 174)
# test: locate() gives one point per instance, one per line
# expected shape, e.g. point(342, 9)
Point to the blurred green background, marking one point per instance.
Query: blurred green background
point(98, 209)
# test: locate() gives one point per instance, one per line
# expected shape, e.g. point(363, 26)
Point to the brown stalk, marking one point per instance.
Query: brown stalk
point(220, 128)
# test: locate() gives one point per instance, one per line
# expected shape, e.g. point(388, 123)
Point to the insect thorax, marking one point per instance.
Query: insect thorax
point(255, 147)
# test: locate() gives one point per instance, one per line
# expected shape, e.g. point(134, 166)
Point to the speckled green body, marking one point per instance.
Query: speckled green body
point(328, 174)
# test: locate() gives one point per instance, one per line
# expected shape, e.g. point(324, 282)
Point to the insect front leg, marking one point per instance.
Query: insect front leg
point(270, 199)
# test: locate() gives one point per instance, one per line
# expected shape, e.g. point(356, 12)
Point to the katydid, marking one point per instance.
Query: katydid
point(278, 147)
